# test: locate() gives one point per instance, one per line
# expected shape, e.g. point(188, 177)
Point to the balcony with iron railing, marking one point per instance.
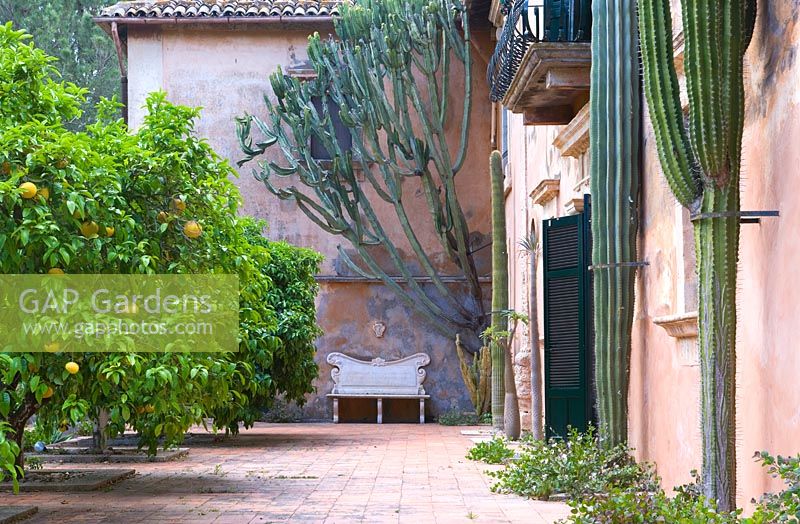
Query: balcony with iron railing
point(542, 61)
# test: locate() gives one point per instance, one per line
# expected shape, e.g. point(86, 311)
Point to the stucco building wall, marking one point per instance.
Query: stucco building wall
point(665, 372)
point(225, 70)
point(664, 391)
point(532, 158)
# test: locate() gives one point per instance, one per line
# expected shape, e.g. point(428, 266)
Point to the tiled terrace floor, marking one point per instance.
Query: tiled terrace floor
point(305, 473)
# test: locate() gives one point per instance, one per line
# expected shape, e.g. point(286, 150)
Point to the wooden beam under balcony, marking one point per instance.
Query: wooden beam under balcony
point(552, 82)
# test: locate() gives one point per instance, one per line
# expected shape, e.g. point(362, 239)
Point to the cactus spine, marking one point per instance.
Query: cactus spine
point(499, 288)
point(702, 168)
point(615, 131)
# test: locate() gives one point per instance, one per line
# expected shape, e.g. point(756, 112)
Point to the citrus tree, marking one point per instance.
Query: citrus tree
point(281, 353)
point(107, 201)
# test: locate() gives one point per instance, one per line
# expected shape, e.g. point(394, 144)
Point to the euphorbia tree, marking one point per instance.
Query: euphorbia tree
point(702, 164)
point(157, 201)
point(391, 77)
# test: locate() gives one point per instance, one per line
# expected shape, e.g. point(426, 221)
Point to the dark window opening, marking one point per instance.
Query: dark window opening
point(343, 137)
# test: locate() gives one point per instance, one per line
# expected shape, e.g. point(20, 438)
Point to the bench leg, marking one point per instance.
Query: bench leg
point(422, 411)
point(335, 410)
point(380, 411)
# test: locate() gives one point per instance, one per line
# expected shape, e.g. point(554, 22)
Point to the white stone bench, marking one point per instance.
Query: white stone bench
point(378, 379)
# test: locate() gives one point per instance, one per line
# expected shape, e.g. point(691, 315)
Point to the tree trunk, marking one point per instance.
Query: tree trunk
point(19, 435)
point(99, 439)
point(537, 413)
point(511, 424)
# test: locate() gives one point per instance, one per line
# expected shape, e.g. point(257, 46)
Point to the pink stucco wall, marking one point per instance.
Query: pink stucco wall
point(664, 390)
point(225, 70)
point(532, 157)
point(664, 414)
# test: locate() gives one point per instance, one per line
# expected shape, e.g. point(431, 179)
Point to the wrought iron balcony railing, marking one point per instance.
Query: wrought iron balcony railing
point(530, 21)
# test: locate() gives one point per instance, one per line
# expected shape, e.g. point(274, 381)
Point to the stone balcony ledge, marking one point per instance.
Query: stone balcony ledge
point(552, 82)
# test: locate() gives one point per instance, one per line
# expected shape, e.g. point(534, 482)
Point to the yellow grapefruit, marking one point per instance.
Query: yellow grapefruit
point(28, 189)
point(162, 217)
point(178, 205)
point(72, 367)
point(89, 229)
point(55, 271)
point(110, 231)
point(48, 393)
point(45, 192)
point(192, 229)
point(52, 347)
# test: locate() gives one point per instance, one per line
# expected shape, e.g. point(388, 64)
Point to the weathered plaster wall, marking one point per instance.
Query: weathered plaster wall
point(532, 157)
point(225, 70)
point(664, 391)
point(665, 385)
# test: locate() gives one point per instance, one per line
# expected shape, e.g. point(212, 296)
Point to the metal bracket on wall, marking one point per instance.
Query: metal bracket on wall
point(612, 265)
point(745, 217)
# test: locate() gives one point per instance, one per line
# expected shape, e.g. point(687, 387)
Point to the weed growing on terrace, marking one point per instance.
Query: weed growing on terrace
point(492, 451)
point(576, 466)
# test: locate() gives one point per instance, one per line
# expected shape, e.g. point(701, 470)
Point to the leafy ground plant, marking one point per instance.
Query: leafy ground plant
point(492, 451)
point(783, 506)
point(42, 432)
point(621, 506)
point(457, 418)
point(576, 466)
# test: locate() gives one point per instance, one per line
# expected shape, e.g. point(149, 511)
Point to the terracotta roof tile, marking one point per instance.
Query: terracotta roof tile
point(220, 8)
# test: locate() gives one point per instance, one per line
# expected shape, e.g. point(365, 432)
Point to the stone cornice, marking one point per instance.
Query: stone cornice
point(683, 325)
point(545, 191)
point(573, 140)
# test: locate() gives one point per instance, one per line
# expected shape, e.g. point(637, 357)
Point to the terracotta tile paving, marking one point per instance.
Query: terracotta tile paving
point(305, 473)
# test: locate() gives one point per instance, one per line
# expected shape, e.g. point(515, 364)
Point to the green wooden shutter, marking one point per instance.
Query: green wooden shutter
point(567, 324)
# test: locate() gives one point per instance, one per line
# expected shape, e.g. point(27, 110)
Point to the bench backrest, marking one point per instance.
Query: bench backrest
point(352, 376)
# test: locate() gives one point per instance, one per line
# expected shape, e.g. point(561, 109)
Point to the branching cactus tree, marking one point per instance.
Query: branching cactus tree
point(390, 78)
point(615, 190)
point(701, 162)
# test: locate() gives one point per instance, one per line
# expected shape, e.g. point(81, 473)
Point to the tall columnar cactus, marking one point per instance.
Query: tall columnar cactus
point(702, 166)
point(614, 120)
point(499, 287)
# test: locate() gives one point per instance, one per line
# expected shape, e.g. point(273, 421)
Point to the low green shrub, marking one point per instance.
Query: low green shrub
point(458, 418)
point(45, 433)
point(620, 506)
point(282, 412)
point(576, 466)
point(785, 505)
point(492, 451)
